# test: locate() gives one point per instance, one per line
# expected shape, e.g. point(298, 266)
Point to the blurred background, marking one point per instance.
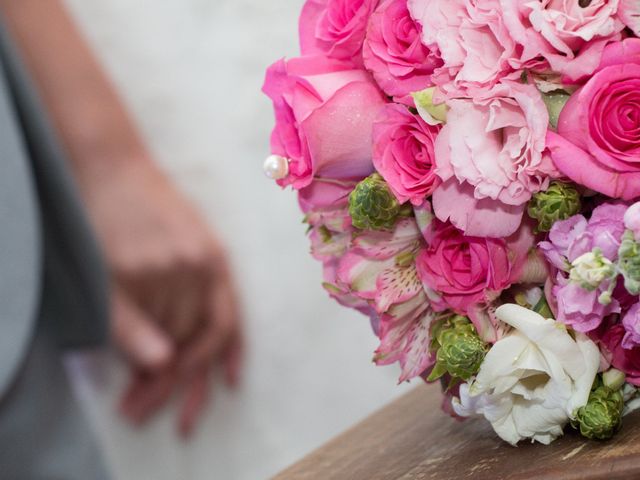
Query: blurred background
point(190, 72)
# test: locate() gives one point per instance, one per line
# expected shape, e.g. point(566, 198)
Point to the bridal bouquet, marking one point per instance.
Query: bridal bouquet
point(469, 172)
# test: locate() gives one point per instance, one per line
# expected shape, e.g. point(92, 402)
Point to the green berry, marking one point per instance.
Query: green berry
point(460, 351)
point(601, 417)
point(559, 202)
point(373, 206)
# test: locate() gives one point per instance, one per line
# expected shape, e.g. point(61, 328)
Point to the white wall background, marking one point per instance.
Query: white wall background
point(191, 72)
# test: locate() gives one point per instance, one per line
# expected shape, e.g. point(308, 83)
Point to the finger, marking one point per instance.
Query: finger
point(149, 394)
point(220, 323)
point(187, 303)
point(145, 281)
point(139, 338)
point(157, 300)
point(233, 361)
point(135, 385)
point(196, 400)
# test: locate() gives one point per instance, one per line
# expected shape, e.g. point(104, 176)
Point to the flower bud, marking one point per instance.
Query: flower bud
point(372, 205)
point(629, 262)
point(613, 379)
point(632, 220)
point(555, 102)
point(591, 269)
point(431, 113)
point(461, 350)
point(601, 417)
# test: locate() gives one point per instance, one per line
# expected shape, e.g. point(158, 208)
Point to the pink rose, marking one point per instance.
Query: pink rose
point(598, 140)
point(569, 34)
point(403, 153)
point(468, 271)
point(491, 158)
point(321, 195)
point(394, 53)
point(472, 39)
point(335, 28)
point(324, 118)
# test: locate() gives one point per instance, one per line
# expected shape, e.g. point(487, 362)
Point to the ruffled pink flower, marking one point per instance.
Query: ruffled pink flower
point(575, 236)
point(570, 36)
point(629, 13)
point(580, 308)
point(491, 158)
point(324, 118)
point(394, 53)
point(631, 323)
point(403, 153)
point(472, 39)
point(568, 240)
point(606, 227)
point(632, 220)
point(598, 140)
point(471, 271)
point(335, 28)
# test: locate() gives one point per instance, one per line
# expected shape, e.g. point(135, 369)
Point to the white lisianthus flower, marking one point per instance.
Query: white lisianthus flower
point(532, 380)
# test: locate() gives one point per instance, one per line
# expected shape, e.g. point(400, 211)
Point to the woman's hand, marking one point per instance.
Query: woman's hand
point(175, 311)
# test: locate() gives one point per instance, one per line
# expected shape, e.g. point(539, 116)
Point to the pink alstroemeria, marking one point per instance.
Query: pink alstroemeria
point(380, 269)
point(406, 338)
point(381, 266)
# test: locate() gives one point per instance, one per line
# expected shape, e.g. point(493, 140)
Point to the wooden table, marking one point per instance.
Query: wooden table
point(413, 439)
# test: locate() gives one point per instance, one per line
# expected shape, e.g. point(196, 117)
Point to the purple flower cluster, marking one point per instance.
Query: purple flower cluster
point(587, 284)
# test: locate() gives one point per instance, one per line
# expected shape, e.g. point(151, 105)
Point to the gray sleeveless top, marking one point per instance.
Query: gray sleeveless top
point(51, 273)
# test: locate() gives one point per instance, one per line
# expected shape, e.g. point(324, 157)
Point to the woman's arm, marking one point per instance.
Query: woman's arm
point(85, 108)
point(174, 305)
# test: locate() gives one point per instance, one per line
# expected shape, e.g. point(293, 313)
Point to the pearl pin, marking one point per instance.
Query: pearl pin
point(276, 167)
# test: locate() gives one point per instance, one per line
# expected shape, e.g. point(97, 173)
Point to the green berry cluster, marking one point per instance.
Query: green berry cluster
point(460, 351)
point(601, 417)
point(559, 202)
point(373, 206)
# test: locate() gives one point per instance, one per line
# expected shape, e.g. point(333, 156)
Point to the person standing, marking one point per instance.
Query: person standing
point(95, 243)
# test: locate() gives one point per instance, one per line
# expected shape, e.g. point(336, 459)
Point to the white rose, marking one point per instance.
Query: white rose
point(533, 379)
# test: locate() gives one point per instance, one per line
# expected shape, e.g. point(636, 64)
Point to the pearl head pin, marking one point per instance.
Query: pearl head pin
point(276, 167)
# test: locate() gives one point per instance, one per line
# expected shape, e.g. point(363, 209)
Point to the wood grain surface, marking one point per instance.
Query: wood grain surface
point(413, 439)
